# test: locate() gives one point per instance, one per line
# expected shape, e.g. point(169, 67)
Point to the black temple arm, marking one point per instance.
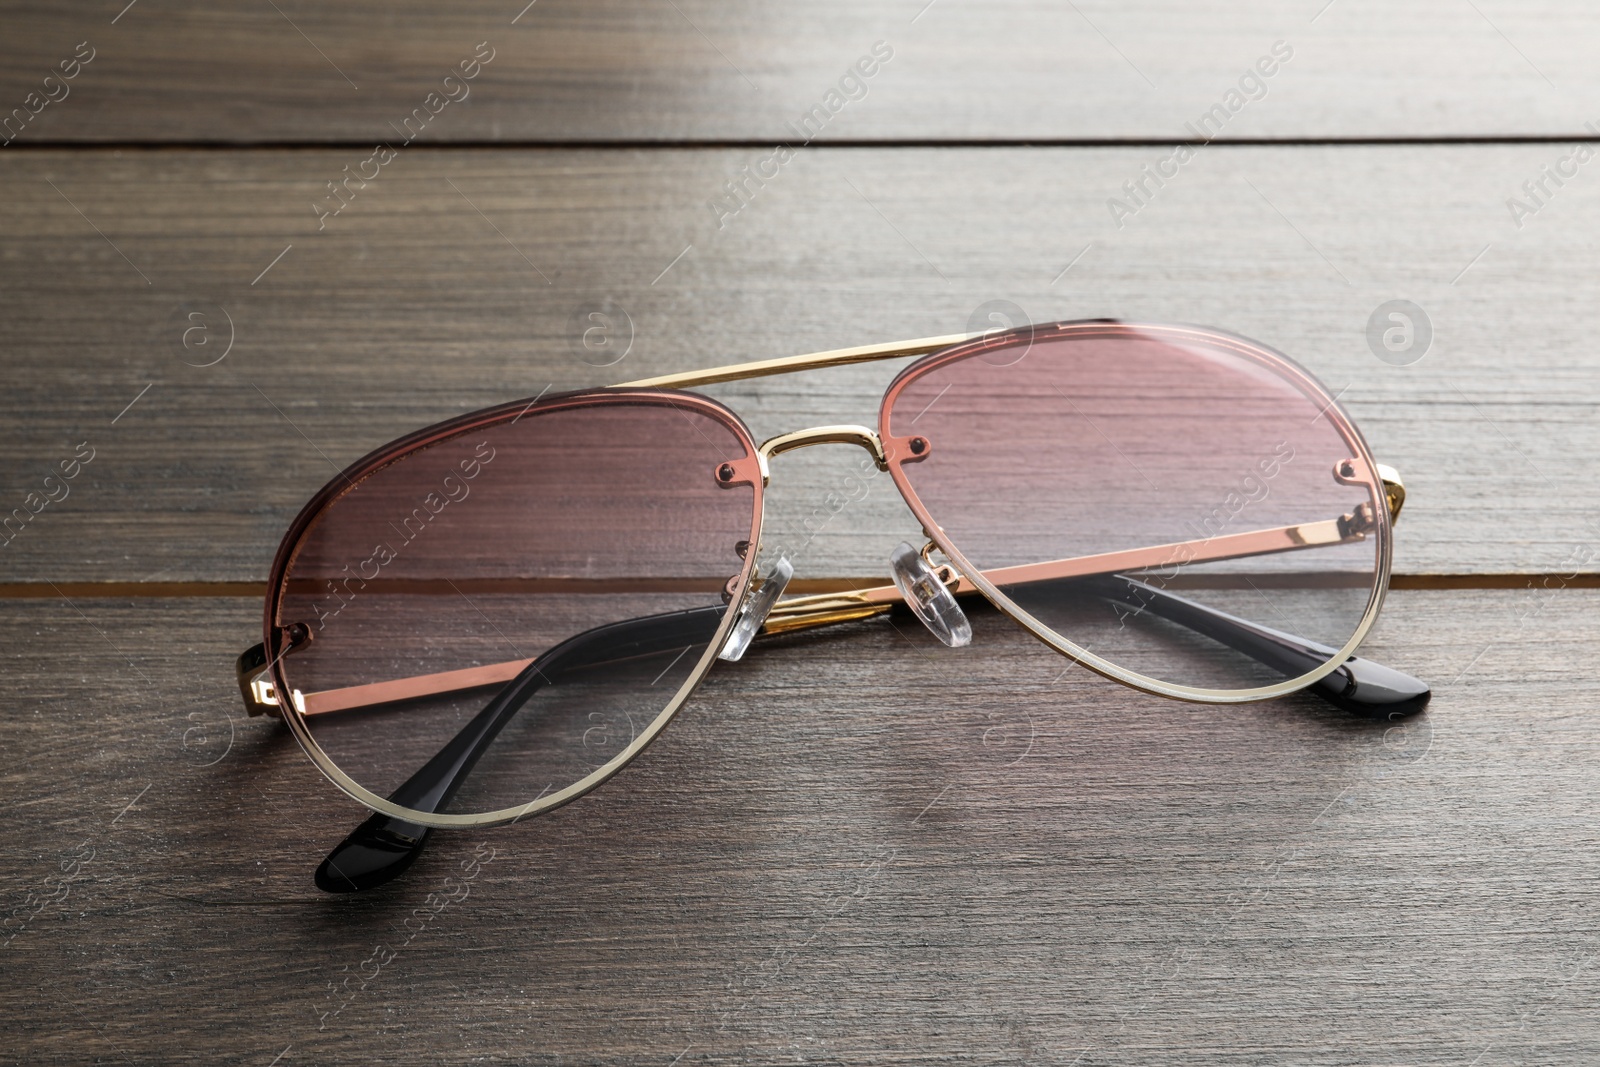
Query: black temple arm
point(383, 846)
point(1357, 685)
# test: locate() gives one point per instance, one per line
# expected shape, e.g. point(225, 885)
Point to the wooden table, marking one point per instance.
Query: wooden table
point(855, 846)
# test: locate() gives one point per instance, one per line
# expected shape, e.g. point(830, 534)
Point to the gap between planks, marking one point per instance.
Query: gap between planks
point(257, 590)
point(758, 144)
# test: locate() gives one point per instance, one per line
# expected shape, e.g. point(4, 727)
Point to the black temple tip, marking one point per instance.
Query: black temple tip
point(379, 850)
point(1373, 691)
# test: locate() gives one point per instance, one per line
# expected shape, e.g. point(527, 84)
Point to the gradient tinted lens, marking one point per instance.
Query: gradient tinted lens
point(1232, 504)
point(592, 538)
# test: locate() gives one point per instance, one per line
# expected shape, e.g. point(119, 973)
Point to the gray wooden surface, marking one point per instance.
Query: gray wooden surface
point(855, 846)
point(664, 70)
point(411, 306)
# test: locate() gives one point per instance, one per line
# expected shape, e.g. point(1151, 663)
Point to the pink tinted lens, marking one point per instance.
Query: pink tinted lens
point(1237, 501)
point(433, 579)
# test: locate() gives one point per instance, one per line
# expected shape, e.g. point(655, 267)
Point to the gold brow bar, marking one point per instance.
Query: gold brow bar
point(837, 357)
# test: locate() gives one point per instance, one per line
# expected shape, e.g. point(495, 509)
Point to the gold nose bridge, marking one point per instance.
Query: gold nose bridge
point(820, 435)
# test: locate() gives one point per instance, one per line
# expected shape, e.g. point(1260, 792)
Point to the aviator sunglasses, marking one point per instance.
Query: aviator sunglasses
point(450, 622)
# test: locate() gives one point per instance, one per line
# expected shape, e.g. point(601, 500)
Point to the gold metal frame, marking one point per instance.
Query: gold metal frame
point(261, 685)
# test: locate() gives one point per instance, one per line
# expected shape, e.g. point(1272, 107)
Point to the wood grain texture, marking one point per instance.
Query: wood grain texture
point(853, 847)
point(568, 70)
point(456, 279)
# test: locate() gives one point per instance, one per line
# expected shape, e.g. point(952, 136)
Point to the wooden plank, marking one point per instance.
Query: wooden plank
point(455, 280)
point(853, 846)
point(567, 70)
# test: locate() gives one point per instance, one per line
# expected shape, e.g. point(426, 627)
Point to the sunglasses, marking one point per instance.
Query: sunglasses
point(486, 619)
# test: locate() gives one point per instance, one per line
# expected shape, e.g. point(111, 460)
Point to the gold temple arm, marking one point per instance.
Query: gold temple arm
point(824, 609)
point(798, 613)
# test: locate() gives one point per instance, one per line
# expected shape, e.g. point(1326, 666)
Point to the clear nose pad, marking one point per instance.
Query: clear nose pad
point(934, 604)
point(763, 593)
